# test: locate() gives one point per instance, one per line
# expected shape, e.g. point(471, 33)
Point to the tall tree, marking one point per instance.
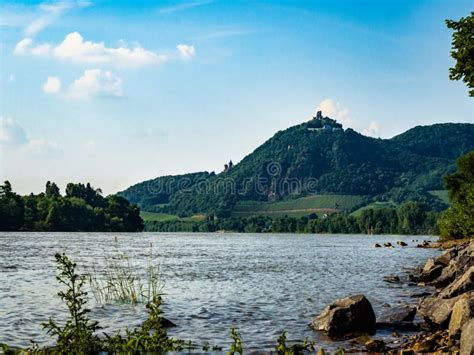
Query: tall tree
point(458, 220)
point(463, 50)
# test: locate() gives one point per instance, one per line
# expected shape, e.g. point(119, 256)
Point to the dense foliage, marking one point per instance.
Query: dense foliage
point(410, 218)
point(299, 161)
point(463, 50)
point(83, 208)
point(458, 220)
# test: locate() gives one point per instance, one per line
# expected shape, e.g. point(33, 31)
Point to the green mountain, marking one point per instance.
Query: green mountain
point(291, 170)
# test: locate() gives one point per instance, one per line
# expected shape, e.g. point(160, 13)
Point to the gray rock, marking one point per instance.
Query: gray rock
point(455, 268)
point(463, 311)
point(428, 275)
point(468, 250)
point(467, 338)
point(436, 311)
point(429, 265)
point(398, 314)
point(347, 315)
point(446, 257)
point(462, 284)
point(392, 279)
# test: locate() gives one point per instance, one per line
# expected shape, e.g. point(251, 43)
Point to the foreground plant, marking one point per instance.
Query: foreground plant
point(78, 333)
point(236, 346)
point(283, 349)
point(121, 282)
point(150, 337)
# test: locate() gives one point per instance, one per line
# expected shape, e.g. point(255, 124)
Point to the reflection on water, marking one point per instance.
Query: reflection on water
point(260, 283)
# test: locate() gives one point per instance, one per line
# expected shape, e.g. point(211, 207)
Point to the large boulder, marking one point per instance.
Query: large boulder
point(398, 318)
point(467, 338)
point(436, 311)
point(347, 315)
point(446, 257)
point(463, 311)
point(403, 313)
point(462, 284)
point(430, 274)
point(468, 250)
point(456, 267)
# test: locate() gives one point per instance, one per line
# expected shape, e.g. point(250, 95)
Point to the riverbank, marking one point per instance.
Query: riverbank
point(448, 313)
point(443, 320)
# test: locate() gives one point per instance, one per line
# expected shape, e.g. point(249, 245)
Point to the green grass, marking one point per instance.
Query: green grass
point(375, 206)
point(164, 217)
point(441, 194)
point(303, 206)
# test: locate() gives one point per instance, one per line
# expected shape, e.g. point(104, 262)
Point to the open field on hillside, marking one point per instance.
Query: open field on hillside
point(441, 194)
point(303, 206)
point(164, 217)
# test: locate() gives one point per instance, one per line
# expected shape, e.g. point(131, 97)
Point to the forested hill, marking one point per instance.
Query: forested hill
point(317, 157)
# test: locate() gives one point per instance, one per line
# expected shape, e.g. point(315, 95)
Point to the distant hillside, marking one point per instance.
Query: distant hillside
point(314, 158)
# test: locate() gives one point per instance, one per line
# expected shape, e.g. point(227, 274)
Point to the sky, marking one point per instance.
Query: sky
point(117, 92)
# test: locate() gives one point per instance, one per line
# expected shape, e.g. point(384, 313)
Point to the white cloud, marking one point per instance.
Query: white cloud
point(23, 47)
point(49, 12)
point(372, 130)
point(186, 51)
point(11, 78)
point(75, 49)
point(95, 83)
point(336, 111)
point(11, 133)
point(43, 147)
point(52, 85)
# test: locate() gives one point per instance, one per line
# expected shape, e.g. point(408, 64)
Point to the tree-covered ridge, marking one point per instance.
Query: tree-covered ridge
point(158, 191)
point(303, 161)
point(82, 208)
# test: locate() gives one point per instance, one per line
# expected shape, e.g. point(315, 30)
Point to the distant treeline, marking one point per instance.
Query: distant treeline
point(83, 208)
point(410, 218)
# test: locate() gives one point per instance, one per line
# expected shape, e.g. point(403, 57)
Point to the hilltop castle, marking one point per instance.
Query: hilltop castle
point(320, 123)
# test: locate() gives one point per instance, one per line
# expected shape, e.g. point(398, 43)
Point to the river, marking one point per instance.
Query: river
point(261, 284)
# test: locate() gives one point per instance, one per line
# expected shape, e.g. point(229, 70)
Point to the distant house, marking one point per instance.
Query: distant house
point(320, 123)
point(228, 167)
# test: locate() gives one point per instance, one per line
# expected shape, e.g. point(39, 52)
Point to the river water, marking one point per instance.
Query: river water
point(261, 284)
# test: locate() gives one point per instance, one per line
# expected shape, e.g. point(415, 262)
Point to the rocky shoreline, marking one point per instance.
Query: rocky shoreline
point(444, 320)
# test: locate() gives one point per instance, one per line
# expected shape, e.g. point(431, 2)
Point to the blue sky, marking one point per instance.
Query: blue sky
point(116, 92)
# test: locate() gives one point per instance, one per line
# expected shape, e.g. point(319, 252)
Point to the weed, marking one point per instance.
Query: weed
point(77, 334)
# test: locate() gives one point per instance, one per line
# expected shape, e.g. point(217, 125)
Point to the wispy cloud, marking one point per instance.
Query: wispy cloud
point(183, 6)
point(224, 33)
point(186, 52)
point(372, 130)
point(47, 13)
point(12, 135)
